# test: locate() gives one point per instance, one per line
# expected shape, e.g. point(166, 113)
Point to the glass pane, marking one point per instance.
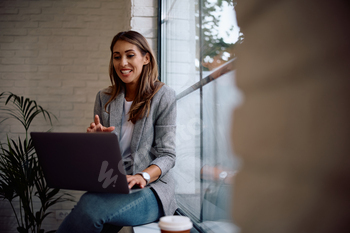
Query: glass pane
point(219, 33)
point(219, 37)
point(178, 44)
point(219, 163)
point(179, 71)
point(198, 41)
point(188, 162)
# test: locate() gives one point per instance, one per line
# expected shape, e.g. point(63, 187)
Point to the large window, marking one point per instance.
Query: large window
point(198, 39)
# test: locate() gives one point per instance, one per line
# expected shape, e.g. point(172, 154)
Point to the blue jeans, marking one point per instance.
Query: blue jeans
point(108, 212)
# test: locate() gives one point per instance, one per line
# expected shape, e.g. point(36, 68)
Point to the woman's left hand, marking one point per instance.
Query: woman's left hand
point(153, 171)
point(136, 180)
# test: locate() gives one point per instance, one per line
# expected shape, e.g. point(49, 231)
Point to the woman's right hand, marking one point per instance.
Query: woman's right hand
point(97, 127)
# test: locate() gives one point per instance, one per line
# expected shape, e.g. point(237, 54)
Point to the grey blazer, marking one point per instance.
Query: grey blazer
point(153, 139)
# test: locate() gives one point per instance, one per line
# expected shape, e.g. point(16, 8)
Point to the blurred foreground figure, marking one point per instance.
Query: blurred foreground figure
point(293, 128)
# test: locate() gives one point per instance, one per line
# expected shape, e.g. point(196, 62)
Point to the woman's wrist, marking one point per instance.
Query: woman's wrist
point(145, 176)
point(153, 171)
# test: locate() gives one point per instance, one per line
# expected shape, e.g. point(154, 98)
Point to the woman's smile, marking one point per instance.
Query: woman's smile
point(126, 72)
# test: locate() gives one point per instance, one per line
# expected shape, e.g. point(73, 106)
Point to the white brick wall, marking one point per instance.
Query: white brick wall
point(144, 20)
point(57, 53)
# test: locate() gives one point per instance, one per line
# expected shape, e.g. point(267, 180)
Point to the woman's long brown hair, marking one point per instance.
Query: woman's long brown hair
point(148, 81)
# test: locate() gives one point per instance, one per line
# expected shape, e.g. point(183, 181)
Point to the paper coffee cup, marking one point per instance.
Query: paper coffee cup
point(172, 224)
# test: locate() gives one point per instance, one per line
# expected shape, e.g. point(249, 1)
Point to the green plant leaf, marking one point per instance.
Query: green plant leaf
point(26, 110)
point(22, 230)
point(20, 172)
point(52, 193)
point(45, 215)
point(7, 190)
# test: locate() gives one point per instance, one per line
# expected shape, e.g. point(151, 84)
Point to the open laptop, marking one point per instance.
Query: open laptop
point(82, 161)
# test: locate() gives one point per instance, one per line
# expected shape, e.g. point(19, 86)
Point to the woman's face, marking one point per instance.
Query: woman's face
point(128, 61)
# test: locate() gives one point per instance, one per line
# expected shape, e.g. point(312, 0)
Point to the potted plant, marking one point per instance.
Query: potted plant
point(20, 173)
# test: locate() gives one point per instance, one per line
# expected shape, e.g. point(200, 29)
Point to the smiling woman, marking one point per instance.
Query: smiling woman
point(141, 110)
point(130, 52)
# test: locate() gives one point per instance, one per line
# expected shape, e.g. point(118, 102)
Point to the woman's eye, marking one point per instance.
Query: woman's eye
point(131, 55)
point(116, 58)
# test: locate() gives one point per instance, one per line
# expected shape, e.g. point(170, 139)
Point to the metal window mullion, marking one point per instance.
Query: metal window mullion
point(200, 6)
point(159, 38)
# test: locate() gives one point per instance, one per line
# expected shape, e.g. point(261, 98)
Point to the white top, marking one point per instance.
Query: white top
point(126, 131)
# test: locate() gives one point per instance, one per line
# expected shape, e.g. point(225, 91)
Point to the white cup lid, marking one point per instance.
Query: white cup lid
point(175, 223)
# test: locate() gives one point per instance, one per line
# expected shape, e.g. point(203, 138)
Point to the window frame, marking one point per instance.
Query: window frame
point(212, 75)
